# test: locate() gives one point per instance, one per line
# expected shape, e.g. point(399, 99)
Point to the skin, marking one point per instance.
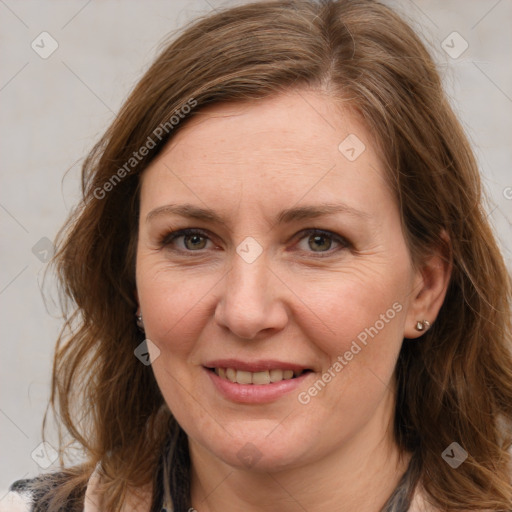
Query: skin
point(299, 301)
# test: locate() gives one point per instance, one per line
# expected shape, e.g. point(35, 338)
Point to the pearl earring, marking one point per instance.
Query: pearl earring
point(140, 322)
point(422, 325)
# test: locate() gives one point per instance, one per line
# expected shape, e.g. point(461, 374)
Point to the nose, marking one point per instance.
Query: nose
point(252, 303)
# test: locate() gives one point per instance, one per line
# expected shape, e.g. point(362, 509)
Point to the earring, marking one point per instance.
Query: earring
point(140, 322)
point(422, 325)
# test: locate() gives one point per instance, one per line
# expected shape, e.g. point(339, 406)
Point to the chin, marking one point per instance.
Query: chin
point(266, 448)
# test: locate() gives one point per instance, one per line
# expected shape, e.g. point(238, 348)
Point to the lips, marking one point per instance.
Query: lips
point(255, 381)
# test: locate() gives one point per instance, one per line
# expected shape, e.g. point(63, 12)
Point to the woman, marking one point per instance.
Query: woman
point(286, 292)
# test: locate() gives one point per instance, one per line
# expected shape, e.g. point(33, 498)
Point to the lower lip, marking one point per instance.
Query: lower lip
point(255, 393)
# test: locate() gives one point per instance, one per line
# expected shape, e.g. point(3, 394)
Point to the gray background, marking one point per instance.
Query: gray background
point(54, 109)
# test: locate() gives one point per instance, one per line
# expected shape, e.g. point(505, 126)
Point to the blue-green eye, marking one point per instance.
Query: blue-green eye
point(320, 241)
point(193, 239)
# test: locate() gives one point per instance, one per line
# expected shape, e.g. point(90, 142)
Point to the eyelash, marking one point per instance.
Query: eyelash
point(168, 238)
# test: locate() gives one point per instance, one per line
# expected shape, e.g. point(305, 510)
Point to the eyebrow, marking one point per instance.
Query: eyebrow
point(285, 216)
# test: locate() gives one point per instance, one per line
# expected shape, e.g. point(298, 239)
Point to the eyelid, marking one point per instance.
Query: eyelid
point(168, 238)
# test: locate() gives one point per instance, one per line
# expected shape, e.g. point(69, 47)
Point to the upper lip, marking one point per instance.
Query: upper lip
point(255, 366)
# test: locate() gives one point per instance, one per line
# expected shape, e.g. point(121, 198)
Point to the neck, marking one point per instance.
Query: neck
point(361, 475)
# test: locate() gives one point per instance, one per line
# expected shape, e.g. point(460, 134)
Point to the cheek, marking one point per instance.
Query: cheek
point(175, 306)
point(361, 345)
point(360, 314)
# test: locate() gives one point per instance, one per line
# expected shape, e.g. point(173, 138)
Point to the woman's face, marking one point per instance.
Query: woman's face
point(296, 265)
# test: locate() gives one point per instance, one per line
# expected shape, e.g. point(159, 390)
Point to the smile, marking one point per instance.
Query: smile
point(255, 382)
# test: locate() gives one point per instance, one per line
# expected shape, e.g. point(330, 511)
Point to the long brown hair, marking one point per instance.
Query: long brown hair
point(454, 385)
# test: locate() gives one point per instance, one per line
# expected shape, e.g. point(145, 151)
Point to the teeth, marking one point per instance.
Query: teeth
point(276, 375)
point(243, 377)
point(261, 378)
point(288, 374)
point(265, 377)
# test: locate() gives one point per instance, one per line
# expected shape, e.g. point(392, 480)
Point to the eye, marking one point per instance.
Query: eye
point(312, 240)
point(320, 241)
point(191, 239)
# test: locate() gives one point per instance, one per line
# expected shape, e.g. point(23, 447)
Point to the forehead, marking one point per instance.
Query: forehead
point(298, 145)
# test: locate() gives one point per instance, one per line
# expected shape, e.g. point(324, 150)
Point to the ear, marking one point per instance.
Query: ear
point(430, 287)
point(135, 293)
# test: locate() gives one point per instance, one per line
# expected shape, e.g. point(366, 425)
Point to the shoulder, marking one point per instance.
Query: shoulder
point(16, 499)
point(34, 494)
